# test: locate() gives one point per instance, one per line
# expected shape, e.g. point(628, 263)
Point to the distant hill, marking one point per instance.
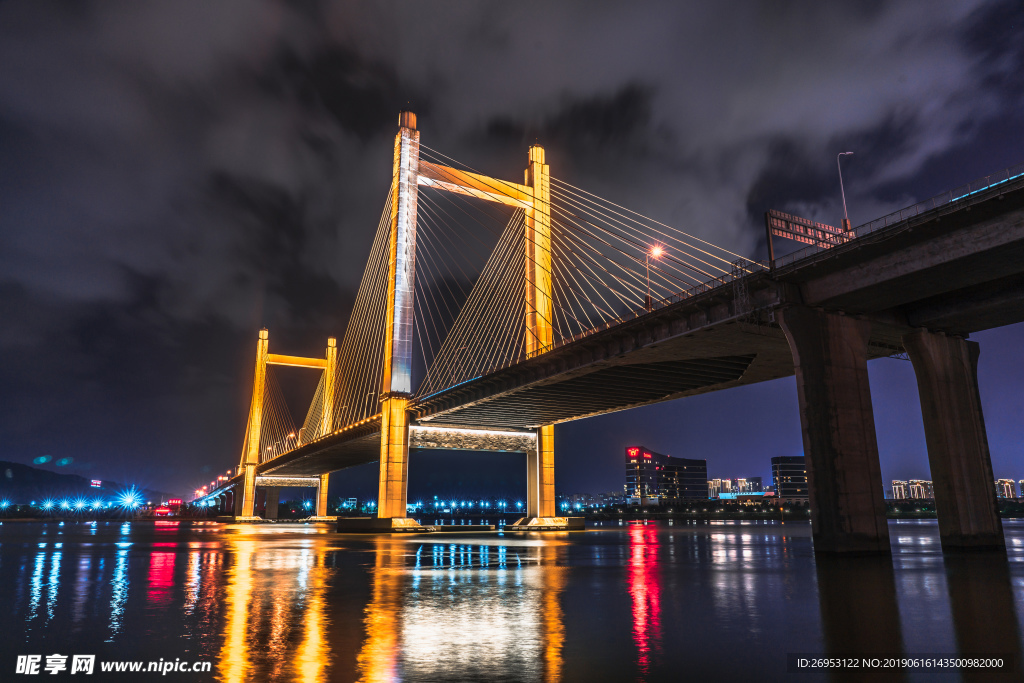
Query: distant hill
point(21, 484)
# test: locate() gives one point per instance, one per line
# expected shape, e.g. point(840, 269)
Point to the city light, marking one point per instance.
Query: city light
point(129, 500)
point(65, 504)
point(79, 504)
point(47, 504)
point(4, 504)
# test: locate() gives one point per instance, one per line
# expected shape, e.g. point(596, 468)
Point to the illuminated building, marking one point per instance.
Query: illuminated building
point(653, 478)
point(899, 489)
point(920, 489)
point(1005, 488)
point(789, 476)
point(733, 487)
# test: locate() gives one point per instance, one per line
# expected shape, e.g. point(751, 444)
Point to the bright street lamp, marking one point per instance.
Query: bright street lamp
point(846, 218)
point(655, 252)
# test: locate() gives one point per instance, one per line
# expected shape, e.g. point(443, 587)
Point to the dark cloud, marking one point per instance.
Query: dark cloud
point(175, 175)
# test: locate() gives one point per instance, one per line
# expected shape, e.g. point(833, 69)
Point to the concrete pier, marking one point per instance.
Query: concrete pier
point(273, 502)
point(954, 428)
point(841, 451)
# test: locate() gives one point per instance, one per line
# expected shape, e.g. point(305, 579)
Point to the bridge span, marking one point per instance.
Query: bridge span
point(915, 283)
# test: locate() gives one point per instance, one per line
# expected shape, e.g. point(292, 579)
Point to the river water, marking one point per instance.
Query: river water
point(292, 602)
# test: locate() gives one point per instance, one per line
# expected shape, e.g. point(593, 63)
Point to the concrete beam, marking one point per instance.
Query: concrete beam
point(453, 438)
point(290, 482)
point(931, 260)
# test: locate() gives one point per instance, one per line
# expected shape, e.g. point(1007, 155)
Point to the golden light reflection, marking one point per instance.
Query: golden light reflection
point(276, 617)
point(442, 610)
point(378, 659)
point(310, 662)
point(234, 656)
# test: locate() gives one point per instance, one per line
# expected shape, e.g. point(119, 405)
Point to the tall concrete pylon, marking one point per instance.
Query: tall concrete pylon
point(534, 198)
point(396, 385)
point(245, 503)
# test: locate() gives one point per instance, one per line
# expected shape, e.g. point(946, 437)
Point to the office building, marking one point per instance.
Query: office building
point(653, 478)
point(920, 489)
point(899, 489)
point(789, 476)
point(734, 487)
point(1005, 488)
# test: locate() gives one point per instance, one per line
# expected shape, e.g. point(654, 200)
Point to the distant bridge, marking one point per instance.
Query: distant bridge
point(537, 303)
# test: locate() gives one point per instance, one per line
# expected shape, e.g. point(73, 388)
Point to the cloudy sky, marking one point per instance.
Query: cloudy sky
point(175, 175)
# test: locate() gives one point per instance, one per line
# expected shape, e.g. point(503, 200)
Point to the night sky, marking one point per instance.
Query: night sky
point(176, 175)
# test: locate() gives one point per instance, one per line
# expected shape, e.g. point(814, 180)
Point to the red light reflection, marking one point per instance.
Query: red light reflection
point(161, 577)
point(645, 590)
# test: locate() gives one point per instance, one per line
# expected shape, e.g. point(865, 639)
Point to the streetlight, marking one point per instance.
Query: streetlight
point(846, 218)
point(656, 252)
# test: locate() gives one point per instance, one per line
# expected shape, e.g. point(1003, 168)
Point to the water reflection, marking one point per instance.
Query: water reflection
point(984, 617)
point(464, 611)
point(119, 594)
point(275, 617)
point(293, 603)
point(645, 591)
point(859, 612)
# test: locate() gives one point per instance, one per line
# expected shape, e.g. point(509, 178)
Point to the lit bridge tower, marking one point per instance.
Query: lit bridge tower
point(245, 505)
point(533, 198)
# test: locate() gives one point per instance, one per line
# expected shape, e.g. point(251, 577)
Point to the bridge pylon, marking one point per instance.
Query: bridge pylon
point(534, 198)
point(244, 505)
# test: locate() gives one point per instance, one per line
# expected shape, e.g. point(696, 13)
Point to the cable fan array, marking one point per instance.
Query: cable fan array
point(277, 428)
point(608, 263)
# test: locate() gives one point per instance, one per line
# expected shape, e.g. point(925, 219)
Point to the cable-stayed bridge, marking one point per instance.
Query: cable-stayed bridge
point(490, 310)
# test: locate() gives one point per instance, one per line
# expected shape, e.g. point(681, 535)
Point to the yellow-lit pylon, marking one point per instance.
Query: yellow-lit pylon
point(251, 454)
point(539, 333)
point(327, 421)
point(396, 384)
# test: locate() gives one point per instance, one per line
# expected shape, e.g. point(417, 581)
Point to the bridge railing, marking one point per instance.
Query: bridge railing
point(965, 195)
point(741, 268)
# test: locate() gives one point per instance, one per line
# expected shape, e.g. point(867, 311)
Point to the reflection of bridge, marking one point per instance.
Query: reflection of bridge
point(539, 303)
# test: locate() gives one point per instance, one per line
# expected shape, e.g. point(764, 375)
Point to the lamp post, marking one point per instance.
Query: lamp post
point(656, 253)
point(846, 218)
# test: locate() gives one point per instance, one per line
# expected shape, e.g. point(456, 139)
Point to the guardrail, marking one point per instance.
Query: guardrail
point(965, 195)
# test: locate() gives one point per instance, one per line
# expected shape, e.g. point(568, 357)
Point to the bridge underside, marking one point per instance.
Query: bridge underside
point(732, 353)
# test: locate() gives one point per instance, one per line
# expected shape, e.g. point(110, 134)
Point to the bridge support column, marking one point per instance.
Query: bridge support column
point(540, 475)
point(394, 458)
point(954, 429)
point(396, 384)
point(273, 502)
point(540, 488)
point(321, 498)
point(245, 503)
point(840, 447)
